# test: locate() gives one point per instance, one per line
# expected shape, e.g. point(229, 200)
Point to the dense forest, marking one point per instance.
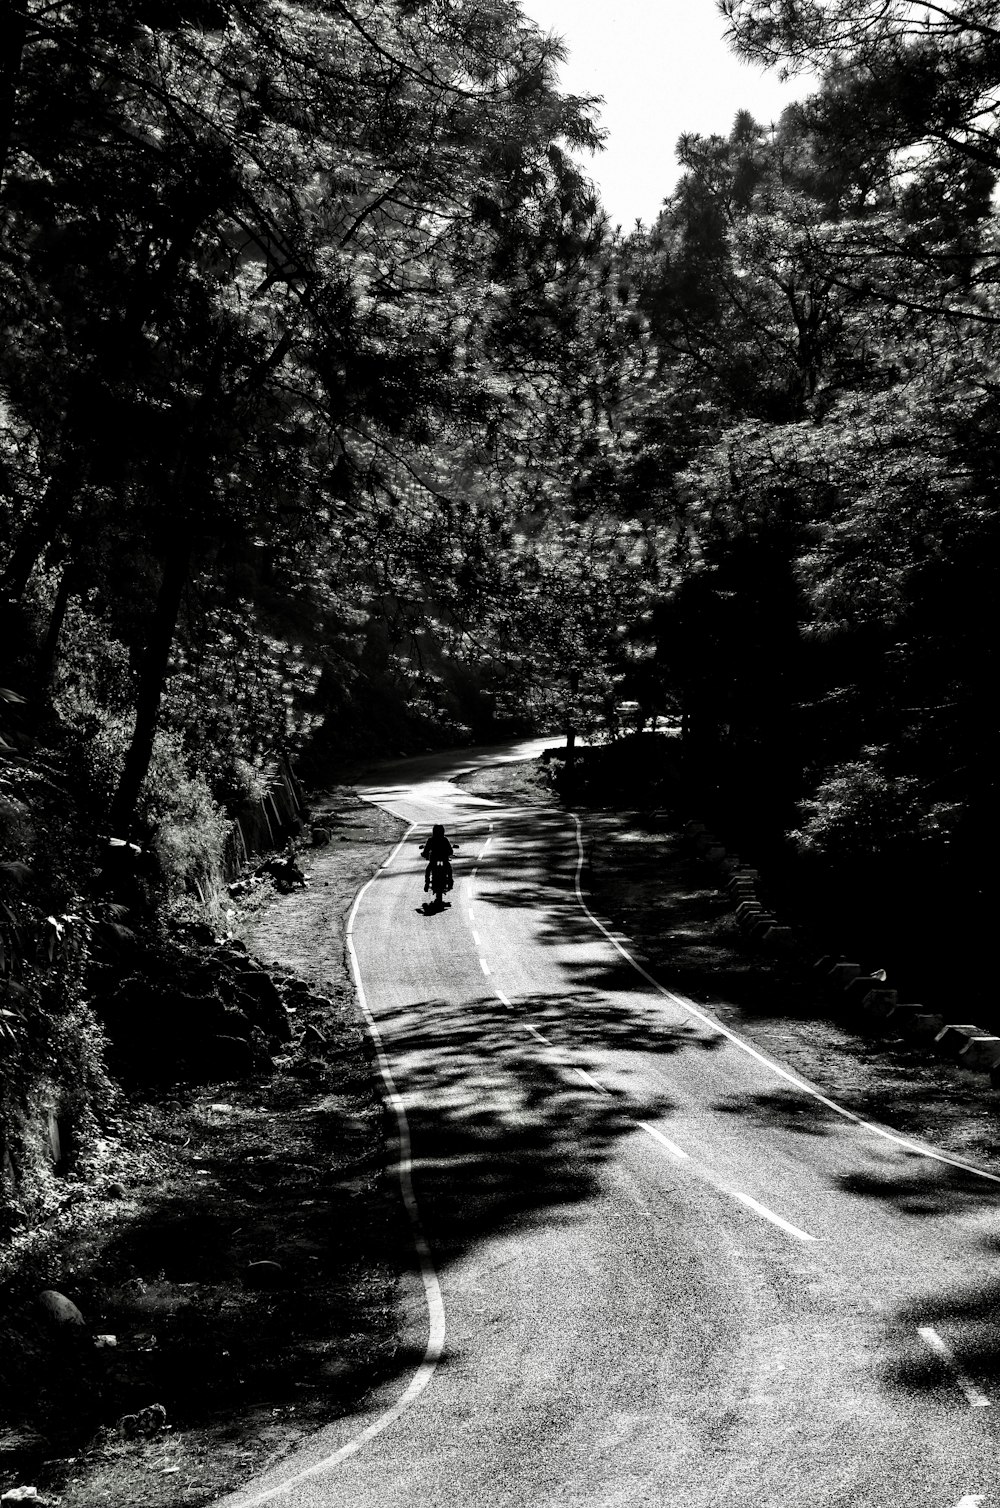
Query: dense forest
point(337, 419)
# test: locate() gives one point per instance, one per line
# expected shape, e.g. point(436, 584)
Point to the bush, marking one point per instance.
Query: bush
point(860, 811)
point(187, 826)
point(92, 702)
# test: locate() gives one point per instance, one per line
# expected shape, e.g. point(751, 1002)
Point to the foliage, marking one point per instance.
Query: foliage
point(52, 1046)
point(187, 826)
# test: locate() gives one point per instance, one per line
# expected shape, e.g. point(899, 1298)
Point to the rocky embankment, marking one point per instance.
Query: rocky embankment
point(219, 1276)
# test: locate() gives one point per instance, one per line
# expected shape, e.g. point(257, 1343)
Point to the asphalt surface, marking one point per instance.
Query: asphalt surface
point(656, 1268)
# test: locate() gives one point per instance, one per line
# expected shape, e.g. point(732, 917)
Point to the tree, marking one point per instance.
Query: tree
point(298, 216)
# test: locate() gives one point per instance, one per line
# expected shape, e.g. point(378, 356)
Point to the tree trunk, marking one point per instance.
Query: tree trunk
point(45, 669)
point(570, 775)
point(13, 34)
point(153, 674)
point(43, 525)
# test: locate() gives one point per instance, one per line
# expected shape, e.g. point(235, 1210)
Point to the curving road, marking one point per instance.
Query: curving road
point(657, 1267)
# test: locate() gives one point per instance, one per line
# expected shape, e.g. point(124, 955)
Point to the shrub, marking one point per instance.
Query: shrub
point(860, 811)
point(187, 826)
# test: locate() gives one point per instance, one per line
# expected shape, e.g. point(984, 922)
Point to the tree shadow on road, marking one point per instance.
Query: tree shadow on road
point(966, 1317)
point(505, 1132)
point(963, 1313)
point(787, 1109)
point(921, 1186)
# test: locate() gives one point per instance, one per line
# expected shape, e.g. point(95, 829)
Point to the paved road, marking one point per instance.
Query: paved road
point(668, 1274)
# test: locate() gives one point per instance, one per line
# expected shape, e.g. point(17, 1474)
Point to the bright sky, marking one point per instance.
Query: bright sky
point(663, 68)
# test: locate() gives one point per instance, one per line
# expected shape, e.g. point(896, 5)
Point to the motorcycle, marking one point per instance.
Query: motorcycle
point(441, 880)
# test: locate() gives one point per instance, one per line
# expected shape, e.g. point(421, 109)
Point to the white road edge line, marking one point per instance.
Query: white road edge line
point(974, 1398)
point(790, 1078)
point(972, 1501)
point(428, 1274)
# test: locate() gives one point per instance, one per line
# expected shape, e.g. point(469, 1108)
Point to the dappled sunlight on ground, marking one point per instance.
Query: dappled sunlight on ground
point(505, 1134)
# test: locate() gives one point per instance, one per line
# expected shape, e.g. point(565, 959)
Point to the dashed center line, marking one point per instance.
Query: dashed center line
point(588, 1079)
point(675, 1151)
point(529, 1028)
point(665, 1141)
point(766, 1214)
point(974, 1397)
point(678, 1152)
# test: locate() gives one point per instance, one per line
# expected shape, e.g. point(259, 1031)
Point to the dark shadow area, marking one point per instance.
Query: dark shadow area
point(432, 908)
point(504, 1135)
point(785, 1109)
point(584, 1019)
point(269, 1280)
point(967, 1318)
point(926, 1187)
point(644, 881)
point(267, 1283)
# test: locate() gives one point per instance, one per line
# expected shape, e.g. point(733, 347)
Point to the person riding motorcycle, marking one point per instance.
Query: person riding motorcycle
point(436, 848)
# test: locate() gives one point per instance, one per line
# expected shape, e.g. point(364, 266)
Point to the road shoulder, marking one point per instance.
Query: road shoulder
point(641, 878)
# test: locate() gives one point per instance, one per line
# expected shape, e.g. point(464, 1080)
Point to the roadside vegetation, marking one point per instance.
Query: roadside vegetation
point(230, 1250)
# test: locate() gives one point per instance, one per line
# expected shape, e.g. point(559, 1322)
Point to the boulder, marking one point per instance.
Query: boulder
point(233, 1023)
point(58, 1309)
point(148, 1421)
point(256, 994)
